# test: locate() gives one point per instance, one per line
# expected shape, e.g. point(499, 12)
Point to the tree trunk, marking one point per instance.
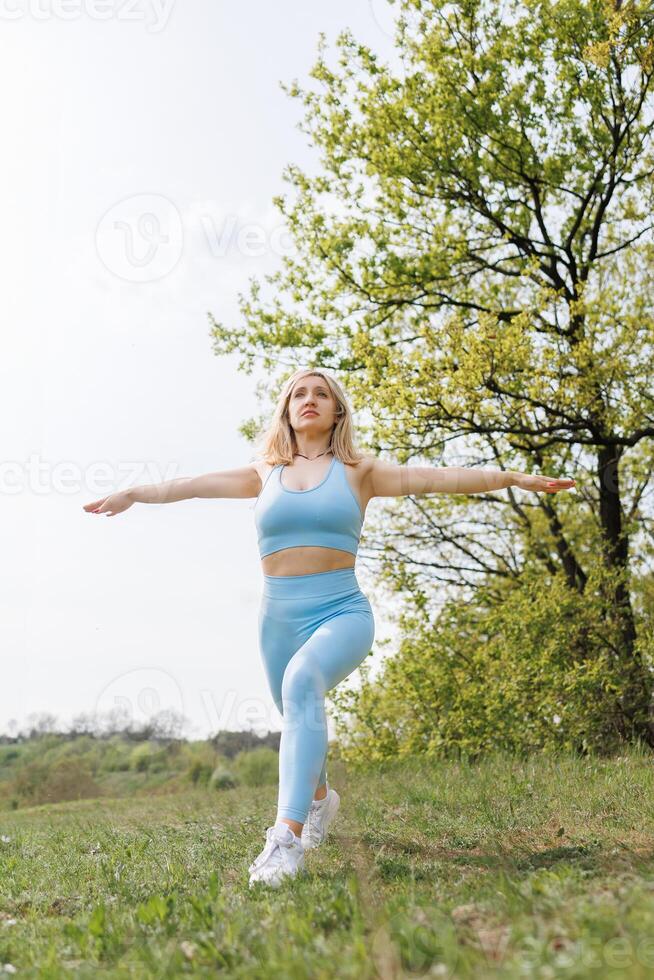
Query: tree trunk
point(636, 697)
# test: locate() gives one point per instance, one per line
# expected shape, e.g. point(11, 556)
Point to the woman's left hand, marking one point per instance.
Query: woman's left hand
point(542, 484)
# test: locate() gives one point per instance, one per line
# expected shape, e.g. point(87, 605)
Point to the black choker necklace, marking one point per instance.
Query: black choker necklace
point(314, 457)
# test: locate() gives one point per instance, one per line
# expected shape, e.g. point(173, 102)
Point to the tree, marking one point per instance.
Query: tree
point(475, 255)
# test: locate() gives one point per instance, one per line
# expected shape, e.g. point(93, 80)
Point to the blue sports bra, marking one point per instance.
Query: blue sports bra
point(327, 515)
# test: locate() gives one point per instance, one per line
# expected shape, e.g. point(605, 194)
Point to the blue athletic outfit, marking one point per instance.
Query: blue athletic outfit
point(314, 629)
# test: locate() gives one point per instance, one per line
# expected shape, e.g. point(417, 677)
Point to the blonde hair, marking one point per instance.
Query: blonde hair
point(277, 442)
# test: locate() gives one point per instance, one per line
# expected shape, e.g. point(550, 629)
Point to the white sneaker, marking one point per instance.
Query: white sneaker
point(319, 818)
point(283, 855)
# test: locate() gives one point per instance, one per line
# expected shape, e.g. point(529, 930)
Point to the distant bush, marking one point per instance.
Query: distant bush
point(222, 778)
point(141, 757)
point(69, 780)
point(116, 763)
point(114, 755)
point(8, 755)
point(200, 772)
point(197, 760)
point(36, 783)
point(28, 781)
point(230, 744)
point(257, 767)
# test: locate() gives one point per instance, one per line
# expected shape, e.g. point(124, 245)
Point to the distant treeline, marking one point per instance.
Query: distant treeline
point(39, 767)
point(227, 743)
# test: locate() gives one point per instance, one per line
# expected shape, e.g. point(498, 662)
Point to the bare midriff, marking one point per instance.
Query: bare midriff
point(306, 561)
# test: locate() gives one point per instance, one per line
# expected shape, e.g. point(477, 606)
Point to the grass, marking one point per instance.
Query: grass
point(504, 868)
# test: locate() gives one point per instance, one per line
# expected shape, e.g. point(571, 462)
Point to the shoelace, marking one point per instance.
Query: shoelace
point(273, 842)
point(313, 830)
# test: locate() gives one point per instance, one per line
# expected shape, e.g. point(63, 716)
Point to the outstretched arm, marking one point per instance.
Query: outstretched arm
point(389, 480)
point(242, 482)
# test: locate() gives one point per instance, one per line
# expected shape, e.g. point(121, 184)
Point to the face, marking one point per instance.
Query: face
point(312, 394)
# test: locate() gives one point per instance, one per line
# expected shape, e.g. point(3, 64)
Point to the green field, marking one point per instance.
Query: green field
point(537, 868)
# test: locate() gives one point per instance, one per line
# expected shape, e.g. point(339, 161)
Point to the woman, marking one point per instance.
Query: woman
point(315, 624)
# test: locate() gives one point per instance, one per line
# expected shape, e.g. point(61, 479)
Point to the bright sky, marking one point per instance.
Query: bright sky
point(141, 144)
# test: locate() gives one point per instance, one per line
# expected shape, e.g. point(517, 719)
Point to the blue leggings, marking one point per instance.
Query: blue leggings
point(314, 630)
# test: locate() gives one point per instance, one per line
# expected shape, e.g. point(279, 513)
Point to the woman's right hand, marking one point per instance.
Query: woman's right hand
point(114, 504)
